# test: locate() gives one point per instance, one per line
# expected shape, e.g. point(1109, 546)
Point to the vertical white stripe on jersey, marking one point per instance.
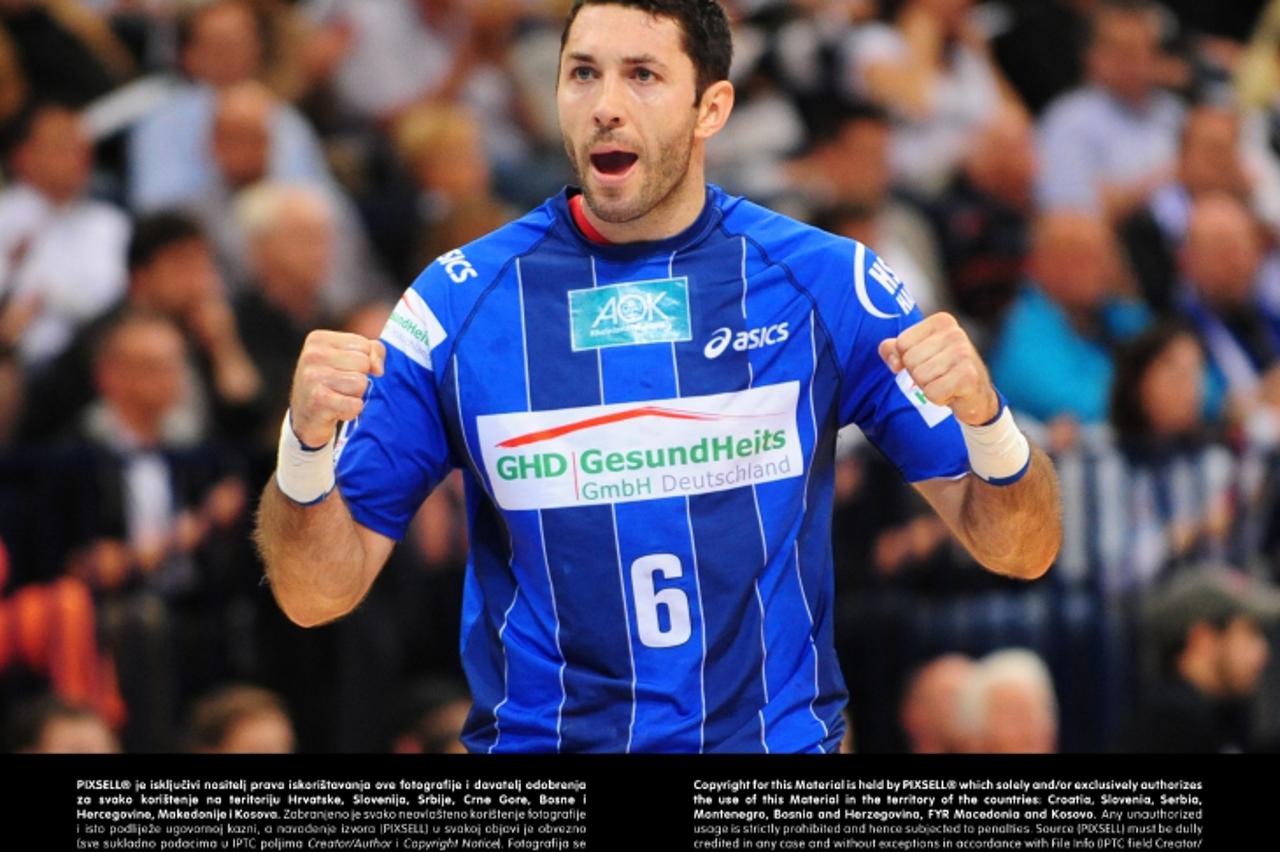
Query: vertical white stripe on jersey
point(813, 418)
point(764, 543)
point(502, 641)
point(617, 549)
point(462, 426)
point(693, 550)
point(542, 535)
point(671, 265)
point(764, 658)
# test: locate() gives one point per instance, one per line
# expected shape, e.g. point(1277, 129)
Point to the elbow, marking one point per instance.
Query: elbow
point(1035, 569)
point(1035, 559)
point(309, 613)
point(305, 607)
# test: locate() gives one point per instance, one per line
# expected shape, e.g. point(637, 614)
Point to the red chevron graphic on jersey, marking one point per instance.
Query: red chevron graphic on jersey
point(604, 420)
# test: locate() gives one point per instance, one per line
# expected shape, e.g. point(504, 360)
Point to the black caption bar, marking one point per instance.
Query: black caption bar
point(561, 803)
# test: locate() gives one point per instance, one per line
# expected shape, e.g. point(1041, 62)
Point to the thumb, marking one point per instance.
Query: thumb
point(889, 353)
point(378, 354)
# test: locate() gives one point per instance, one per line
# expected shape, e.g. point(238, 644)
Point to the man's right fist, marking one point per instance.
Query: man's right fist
point(330, 381)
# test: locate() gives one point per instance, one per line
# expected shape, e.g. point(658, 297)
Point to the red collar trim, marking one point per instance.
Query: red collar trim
point(584, 225)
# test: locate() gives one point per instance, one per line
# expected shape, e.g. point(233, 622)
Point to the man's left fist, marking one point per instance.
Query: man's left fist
point(943, 363)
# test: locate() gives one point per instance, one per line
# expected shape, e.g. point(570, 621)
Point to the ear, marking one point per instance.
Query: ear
point(714, 109)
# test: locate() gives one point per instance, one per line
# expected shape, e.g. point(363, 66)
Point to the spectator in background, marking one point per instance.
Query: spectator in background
point(1258, 72)
point(50, 628)
point(932, 70)
point(59, 51)
point(431, 718)
point(1042, 52)
point(930, 713)
point(1237, 320)
point(1204, 637)
point(171, 272)
point(1209, 162)
point(240, 148)
point(845, 177)
point(49, 725)
point(62, 254)
point(1009, 706)
point(1053, 355)
point(982, 220)
point(398, 52)
point(170, 163)
point(290, 235)
point(440, 142)
point(240, 719)
point(1181, 494)
point(138, 522)
point(1109, 144)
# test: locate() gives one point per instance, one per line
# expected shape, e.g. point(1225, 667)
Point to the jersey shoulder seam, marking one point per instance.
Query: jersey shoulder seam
point(828, 347)
point(465, 325)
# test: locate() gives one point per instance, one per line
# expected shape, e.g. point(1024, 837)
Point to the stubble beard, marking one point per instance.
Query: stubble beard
point(664, 175)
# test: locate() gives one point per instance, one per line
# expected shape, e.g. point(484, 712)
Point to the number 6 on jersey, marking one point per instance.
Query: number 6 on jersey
point(648, 599)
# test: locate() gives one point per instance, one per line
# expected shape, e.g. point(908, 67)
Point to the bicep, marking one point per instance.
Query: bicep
point(376, 548)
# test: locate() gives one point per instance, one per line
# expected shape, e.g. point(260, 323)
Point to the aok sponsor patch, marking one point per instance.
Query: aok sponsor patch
point(630, 313)
point(413, 329)
point(642, 451)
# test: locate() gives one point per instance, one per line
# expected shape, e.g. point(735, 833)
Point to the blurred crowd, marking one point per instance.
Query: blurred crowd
point(190, 186)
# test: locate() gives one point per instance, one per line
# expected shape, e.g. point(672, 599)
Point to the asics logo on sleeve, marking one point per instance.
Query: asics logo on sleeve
point(752, 338)
point(457, 265)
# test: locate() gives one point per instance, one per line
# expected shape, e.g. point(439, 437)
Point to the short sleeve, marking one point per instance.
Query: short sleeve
point(922, 440)
point(397, 450)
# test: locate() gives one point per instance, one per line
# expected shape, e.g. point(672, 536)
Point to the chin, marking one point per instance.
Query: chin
point(613, 210)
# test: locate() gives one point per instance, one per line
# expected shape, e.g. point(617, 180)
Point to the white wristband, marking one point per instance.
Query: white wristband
point(998, 452)
point(304, 474)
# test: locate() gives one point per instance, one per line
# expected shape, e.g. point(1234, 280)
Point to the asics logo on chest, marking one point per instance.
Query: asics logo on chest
point(751, 338)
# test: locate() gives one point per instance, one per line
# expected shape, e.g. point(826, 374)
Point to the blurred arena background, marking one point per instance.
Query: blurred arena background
point(1092, 186)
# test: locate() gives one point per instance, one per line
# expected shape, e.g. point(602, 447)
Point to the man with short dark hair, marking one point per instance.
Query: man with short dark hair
point(642, 380)
point(1204, 634)
point(171, 272)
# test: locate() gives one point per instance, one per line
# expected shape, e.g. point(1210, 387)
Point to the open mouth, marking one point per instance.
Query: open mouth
point(613, 162)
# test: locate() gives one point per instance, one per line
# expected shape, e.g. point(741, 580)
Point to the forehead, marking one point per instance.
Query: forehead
point(146, 341)
point(609, 32)
point(54, 123)
point(1127, 26)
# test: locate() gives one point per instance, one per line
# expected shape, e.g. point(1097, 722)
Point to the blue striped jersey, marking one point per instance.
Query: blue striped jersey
point(646, 433)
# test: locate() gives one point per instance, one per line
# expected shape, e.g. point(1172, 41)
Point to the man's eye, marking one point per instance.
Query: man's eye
point(582, 72)
point(644, 75)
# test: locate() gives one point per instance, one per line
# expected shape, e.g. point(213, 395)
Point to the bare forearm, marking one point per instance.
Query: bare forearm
point(314, 558)
point(1014, 529)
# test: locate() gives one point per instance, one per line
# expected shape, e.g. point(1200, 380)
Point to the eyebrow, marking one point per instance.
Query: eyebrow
point(642, 59)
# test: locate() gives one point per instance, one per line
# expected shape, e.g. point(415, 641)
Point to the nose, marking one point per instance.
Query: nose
point(607, 112)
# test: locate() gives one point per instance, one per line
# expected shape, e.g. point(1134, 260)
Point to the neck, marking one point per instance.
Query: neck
point(142, 426)
point(52, 196)
point(297, 302)
point(670, 216)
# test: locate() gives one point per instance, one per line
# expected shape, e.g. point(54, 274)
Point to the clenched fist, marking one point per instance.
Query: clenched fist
point(330, 381)
point(943, 363)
